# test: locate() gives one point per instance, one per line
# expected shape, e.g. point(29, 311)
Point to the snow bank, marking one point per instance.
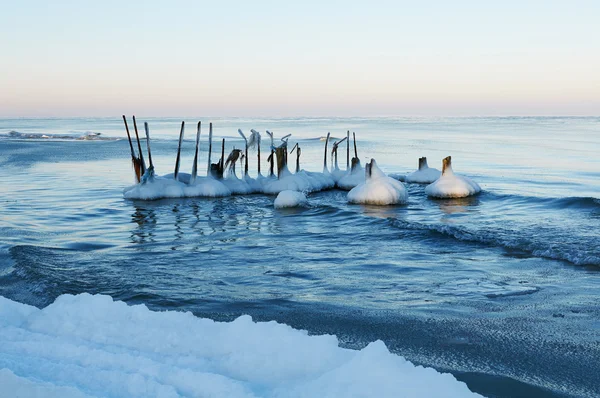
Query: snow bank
point(451, 185)
point(164, 187)
point(290, 199)
point(86, 345)
point(378, 189)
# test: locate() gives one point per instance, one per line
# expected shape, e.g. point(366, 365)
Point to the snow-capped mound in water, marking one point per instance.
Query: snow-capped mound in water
point(451, 185)
point(163, 187)
point(303, 181)
point(86, 345)
point(289, 199)
point(424, 175)
point(352, 178)
point(378, 188)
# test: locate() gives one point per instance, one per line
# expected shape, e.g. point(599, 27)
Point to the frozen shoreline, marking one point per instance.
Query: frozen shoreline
point(88, 345)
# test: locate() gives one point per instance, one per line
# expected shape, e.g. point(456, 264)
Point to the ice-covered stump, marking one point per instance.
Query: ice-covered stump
point(424, 175)
point(451, 185)
point(378, 188)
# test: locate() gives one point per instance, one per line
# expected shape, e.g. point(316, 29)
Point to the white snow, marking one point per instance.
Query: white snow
point(424, 175)
point(289, 199)
point(91, 346)
point(238, 186)
point(351, 179)
point(165, 187)
point(303, 181)
point(378, 189)
point(451, 185)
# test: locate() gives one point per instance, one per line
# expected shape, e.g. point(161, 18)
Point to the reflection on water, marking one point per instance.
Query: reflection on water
point(458, 205)
point(146, 222)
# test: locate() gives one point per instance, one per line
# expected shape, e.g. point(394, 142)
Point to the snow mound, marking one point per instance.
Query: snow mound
point(86, 345)
point(290, 199)
point(424, 175)
point(239, 186)
point(451, 185)
point(378, 188)
point(304, 181)
point(351, 179)
point(167, 187)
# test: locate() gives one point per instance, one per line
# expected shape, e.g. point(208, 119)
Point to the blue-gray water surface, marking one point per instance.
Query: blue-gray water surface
point(501, 289)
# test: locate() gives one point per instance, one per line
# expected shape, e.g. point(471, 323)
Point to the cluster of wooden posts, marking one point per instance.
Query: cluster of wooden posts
point(278, 154)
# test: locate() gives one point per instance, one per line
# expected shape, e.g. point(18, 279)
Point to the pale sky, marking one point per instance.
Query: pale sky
point(309, 58)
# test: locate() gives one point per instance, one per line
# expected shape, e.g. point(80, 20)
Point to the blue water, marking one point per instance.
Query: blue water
point(500, 289)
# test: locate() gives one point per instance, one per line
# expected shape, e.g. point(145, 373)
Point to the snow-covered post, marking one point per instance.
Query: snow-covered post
point(240, 132)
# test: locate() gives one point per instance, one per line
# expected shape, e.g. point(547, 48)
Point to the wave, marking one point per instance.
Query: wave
point(575, 202)
point(535, 243)
point(77, 136)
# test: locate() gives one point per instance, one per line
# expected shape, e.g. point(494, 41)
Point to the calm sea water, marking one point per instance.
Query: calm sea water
point(500, 289)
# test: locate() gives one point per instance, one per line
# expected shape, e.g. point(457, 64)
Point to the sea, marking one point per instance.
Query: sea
point(500, 289)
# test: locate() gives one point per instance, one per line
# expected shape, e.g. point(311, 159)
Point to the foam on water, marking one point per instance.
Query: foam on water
point(89, 345)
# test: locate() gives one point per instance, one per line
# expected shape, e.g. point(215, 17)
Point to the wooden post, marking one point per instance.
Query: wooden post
point(148, 143)
point(325, 156)
point(348, 150)
point(139, 145)
point(195, 165)
point(178, 160)
point(209, 148)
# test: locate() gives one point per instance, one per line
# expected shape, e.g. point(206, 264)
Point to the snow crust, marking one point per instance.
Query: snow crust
point(92, 346)
point(289, 199)
point(451, 185)
point(378, 189)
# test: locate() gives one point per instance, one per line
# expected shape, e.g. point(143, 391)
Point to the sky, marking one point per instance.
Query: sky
point(309, 58)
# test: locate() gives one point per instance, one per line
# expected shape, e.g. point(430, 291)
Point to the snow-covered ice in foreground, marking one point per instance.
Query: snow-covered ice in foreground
point(378, 188)
point(451, 185)
point(289, 199)
point(91, 346)
point(424, 175)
